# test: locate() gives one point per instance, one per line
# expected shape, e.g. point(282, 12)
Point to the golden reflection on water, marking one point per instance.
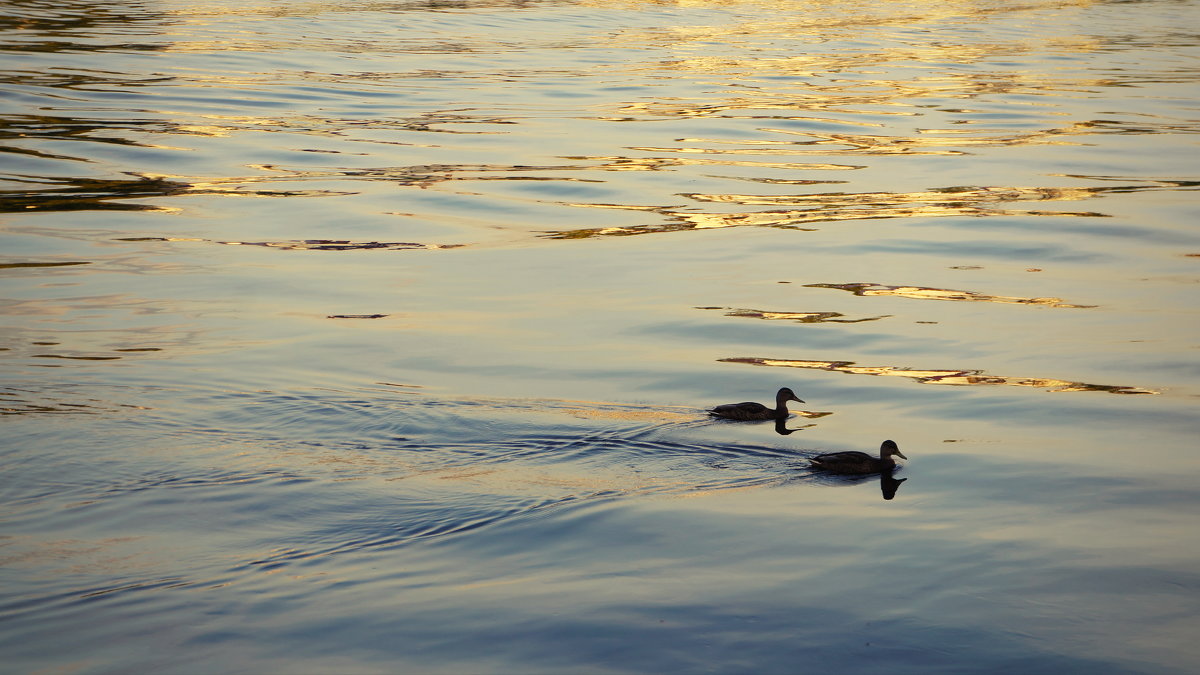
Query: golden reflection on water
point(831, 207)
point(337, 245)
point(925, 293)
point(620, 163)
point(949, 377)
point(937, 200)
point(907, 145)
point(801, 317)
point(409, 108)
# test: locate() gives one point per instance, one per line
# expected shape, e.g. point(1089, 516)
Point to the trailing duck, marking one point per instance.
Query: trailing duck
point(854, 461)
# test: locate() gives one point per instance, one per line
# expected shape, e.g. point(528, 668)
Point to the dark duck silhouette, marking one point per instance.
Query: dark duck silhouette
point(854, 461)
point(889, 484)
point(782, 429)
point(756, 411)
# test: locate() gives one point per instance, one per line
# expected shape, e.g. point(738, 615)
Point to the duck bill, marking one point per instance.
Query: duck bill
point(899, 454)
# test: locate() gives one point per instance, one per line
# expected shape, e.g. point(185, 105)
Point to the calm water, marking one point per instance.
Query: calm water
point(375, 336)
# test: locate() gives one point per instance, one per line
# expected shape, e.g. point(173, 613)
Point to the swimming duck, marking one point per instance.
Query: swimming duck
point(854, 461)
point(756, 411)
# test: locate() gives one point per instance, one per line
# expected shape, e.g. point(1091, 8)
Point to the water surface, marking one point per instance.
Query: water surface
point(378, 336)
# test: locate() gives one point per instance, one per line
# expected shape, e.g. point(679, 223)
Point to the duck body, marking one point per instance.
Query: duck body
point(743, 411)
point(854, 461)
point(751, 411)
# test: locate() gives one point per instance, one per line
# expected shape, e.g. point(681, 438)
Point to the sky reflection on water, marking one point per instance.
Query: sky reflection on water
point(328, 345)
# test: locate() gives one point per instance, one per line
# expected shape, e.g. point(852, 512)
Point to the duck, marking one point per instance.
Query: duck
point(854, 461)
point(749, 410)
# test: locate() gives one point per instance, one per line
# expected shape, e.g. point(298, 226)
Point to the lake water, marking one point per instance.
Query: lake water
point(377, 336)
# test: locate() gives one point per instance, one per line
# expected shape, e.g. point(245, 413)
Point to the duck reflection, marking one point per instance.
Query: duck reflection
point(782, 429)
point(889, 484)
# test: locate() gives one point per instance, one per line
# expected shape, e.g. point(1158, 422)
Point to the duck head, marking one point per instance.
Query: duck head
point(890, 448)
point(786, 394)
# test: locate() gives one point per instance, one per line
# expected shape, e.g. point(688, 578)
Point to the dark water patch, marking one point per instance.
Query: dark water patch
point(79, 194)
point(30, 398)
point(60, 46)
point(41, 264)
point(1138, 184)
point(23, 129)
point(24, 406)
point(83, 79)
point(75, 194)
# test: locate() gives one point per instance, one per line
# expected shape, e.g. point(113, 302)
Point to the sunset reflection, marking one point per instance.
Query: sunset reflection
point(330, 342)
point(841, 206)
point(924, 293)
point(800, 317)
point(948, 377)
